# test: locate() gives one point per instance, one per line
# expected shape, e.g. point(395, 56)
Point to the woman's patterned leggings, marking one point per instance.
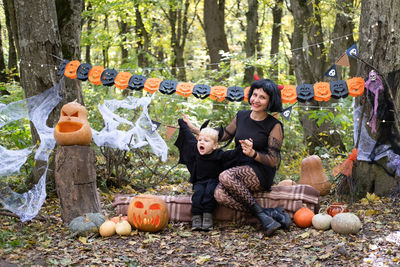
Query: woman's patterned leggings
point(236, 187)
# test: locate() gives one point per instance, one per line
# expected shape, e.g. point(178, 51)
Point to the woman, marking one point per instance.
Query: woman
point(260, 135)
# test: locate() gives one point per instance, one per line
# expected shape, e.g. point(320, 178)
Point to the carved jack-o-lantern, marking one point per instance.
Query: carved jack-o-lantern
point(168, 87)
point(73, 126)
point(61, 68)
point(148, 213)
point(95, 75)
point(152, 84)
point(235, 93)
point(136, 82)
point(108, 77)
point(201, 91)
point(356, 86)
point(322, 91)
point(246, 94)
point(83, 71)
point(339, 89)
point(289, 94)
point(71, 68)
point(184, 89)
point(122, 80)
point(305, 92)
point(218, 93)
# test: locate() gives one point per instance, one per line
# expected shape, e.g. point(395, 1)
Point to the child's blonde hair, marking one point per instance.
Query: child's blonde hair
point(212, 133)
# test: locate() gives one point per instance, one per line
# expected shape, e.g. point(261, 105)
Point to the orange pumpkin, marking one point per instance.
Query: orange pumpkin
point(287, 182)
point(73, 126)
point(95, 75)
point(246, 94)
point(116, 218)
point(151, 85)
point(122, 80)
point(312, 173)
point(303, 217)
point(356, 86)
point(184, 89)
point(71, 68)
point(218, 93)
point(322, 91)
point(289, 94)
point(148, 213)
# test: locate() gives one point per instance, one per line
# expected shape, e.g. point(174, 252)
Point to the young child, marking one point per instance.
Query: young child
point(205, 162)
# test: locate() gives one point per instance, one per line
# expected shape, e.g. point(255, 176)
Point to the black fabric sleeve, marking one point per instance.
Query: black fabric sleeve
point(186, 143)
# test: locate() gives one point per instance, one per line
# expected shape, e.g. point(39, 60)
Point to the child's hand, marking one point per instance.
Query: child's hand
point(189, 123)
point(247, 146)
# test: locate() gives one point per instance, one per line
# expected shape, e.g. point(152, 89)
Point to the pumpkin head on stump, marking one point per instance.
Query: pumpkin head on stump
point(73, 126)
point(148, 213)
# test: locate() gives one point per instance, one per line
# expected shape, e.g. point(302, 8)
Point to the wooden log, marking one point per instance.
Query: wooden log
point(75, 177)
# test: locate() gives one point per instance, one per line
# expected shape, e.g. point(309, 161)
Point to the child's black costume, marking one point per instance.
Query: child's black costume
point(204, 169)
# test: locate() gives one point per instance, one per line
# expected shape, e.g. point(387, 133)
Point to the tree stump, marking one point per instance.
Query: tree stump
point(75, 177)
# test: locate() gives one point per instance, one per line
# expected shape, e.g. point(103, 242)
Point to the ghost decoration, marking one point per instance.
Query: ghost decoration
point(73, 126)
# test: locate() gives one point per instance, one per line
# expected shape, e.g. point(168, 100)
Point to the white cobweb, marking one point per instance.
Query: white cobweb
point(142, 132)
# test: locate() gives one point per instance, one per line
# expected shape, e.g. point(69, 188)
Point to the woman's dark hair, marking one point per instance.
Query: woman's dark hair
point(269, 87)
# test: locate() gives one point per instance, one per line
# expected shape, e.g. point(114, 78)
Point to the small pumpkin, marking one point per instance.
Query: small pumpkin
point(218, 93)
point(303, 217)
point(322, 91)
point(312, 173)
point(286, 182)
point(122, 80)
point(148, 213)
point(335, 208)
point(123, 227)
point(95, 75)
point(96, 217)
point(107, 228)
point(152, 84)
point(356, 86)
point(116, 218)
point(201, 91)
point(235, 93)
point(82, 225)
point(346, 223)
point(322, 221)
point(184, 89)
point(71, 68)
point(289, 94)
point(73, 126)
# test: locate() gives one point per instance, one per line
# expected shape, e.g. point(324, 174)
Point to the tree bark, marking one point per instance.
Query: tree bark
point(3, 70)
point(142, 38)
point(275, 38)
point(75, 176)
point(89, 30)
point(251, 39)
point(12, 52)
point(379, 47)
point(123, 31)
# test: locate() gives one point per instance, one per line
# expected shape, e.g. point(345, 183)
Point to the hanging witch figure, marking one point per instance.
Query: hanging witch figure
point(374, 87)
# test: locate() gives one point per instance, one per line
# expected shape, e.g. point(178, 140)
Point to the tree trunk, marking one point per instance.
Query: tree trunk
point(214, 27)
point(142, 38)
point(123, 31)
point(89, 30)
point(12, 52)
point(379, 47)
point(275, 38)
point(75, 176)
point(3, 70)
point(251, 39)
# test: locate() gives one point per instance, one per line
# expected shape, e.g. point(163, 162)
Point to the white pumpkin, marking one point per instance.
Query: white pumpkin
point(346, 223)
point(322, 221)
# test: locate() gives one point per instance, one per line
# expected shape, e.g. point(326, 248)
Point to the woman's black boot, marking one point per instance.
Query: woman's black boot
point(269, 224)
point(279, 215)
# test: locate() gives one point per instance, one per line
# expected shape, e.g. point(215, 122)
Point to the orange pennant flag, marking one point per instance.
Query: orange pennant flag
point(343, 60)
point(170, 130)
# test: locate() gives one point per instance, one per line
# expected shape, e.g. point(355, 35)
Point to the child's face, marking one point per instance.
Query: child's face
point(205, 144)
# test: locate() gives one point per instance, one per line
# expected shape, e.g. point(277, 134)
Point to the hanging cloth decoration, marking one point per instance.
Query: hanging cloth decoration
point(289, 94)
point(322, 91)
point(374, 86)
point(218, 93)
point(356, 86)
point(95, 75)
point(339, 89)
point(122, 80)
point(287, 112)
point(235, 93)
point(352, 51)
point(201, 91)
point(136, 82)
point(108, 77)
point(71, 68)
point(152, 84)
point(184, 89)
point(83, 71)
point(343, 60)
point(168, 87)
point(305, 92)
point(332, 72)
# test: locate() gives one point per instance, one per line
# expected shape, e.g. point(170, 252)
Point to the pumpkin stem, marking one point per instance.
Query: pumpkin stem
point(87, 218)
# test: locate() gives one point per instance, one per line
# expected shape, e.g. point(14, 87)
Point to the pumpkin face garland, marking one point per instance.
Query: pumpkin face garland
point(201, 91)
point(289, 94)
point(61, 68)
point(148, 213)
point(73, 127)
point(218, 93)
point(136, 82)
point(152, 84)
point(95, 75)
point(83, 71)
point(305, 92)
point(168, 87)
point(108, 77)
point(339, 89)
point(71, 68)
point(356, 86)
point(184, 89)
point(322, 92)
point(122, 80)
point(235, 93)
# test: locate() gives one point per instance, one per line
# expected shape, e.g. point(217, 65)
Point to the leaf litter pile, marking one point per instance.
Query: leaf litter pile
point(46, 241)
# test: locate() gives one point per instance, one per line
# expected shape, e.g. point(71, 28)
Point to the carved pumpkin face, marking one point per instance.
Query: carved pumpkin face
point(339, 89)
point(356, 86)
point(305, 92)
point(289, 94)
point(71, 68)
point(235, 93)
point(122, 80)
point(184, 89)
point(83, 71)
point(168, 87)
point(73, 126)
point(148, 213)
point(95, 75)
point(152, 84)
point(322, 91)
point(218, 93)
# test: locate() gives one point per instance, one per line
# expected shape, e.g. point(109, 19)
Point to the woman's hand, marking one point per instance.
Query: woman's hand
point(192, 128)
point(247, 147)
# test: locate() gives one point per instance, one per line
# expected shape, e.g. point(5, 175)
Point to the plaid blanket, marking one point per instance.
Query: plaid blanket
point(291, 198)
